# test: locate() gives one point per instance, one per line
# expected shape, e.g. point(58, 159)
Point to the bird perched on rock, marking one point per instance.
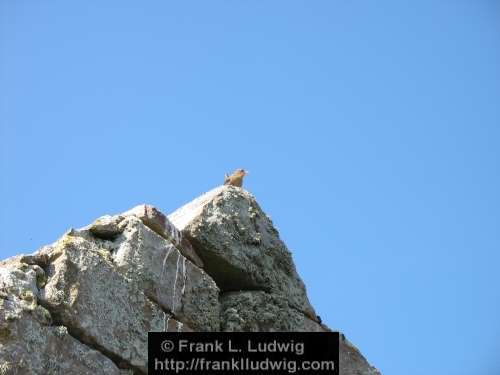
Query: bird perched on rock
point(236, 179)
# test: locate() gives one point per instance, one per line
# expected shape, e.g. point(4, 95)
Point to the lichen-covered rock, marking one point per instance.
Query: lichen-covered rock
point(29, 347)
point(85, 304)
point(239, 245)
point(99, 305)
point(106, 227)
point(159, 223)
point(20, 280)
point(166, 276)
point(257, 311)
point(29, 344)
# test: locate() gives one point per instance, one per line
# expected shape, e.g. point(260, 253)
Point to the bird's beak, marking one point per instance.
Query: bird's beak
point(246, 172)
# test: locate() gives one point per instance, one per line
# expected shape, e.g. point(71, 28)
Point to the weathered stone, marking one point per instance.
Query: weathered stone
point(28, 345)
point(166, 276)
point(257, 311)
point(107, 227)
point(84, 305)
point(38, 259)
point(97, 304)
point(19, 280)
point(158, 222)
point(239, 245)
point(18, 290)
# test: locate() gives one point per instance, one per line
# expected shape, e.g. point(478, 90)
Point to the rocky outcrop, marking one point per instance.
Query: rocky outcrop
point(240, 247)
point(84, 304)
point(30, 341)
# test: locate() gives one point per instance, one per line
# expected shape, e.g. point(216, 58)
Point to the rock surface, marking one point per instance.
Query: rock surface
point(29, 341)
point(98, 304)
point(257, 311)
point(250, 311)
point(158, 222)
point(239, 245)
point(156, 265)
point(84, 304)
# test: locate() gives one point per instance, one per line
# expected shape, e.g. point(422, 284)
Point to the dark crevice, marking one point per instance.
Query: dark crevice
point(183, 245)
point(80, 336)
point(166, 311)
point(226, 275)
point(105, 236)
point(189, 324)
point(265, 290)
point(41, 260)
point(84, 339)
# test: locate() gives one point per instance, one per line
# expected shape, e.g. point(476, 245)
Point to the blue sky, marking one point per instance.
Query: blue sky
point(371, 130)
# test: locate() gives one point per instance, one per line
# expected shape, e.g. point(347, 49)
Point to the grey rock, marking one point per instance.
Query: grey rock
point(107, 227)
point(258, 311)
point(28, 342)
point(166, 276)
point(97, 304)
point(240, 246)
point(84, 304)
point(159, 223)
point(19, 280)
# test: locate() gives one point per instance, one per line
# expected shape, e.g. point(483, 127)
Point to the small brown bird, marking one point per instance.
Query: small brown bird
point(236, 179)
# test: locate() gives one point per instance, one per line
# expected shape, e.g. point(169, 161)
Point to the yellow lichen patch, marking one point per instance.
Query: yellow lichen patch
point(4, 332)
point(55, 253)
point(61, 331)
point(27, 295)
point(65, 241)
point(23, 267)
point(11, 316)
point(59, 297)
point(73, 294)
point(104, 253)
point(6, 367)
point(96, 222)
point(62, 244)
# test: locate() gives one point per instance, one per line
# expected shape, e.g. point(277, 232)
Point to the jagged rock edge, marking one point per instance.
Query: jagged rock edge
point(44, 260)
point(72, 331)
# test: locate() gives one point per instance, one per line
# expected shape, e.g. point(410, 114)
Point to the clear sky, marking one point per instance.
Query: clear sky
point(371, 130)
